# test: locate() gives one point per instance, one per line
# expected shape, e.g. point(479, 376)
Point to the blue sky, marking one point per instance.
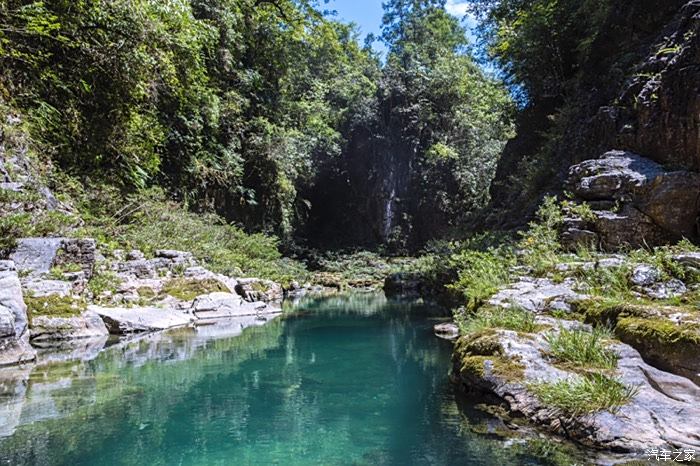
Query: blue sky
point(368, 14)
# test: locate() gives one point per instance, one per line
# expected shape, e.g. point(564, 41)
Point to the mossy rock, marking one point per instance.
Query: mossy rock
point(146, 292)
point(663, 343)
point(187, 290)
point(54, 306)
point(481, 354)
point(484, 343)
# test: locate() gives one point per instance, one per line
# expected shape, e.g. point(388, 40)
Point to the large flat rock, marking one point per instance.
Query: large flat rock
point(87, 325)
point(224, 305)
point(120, 320)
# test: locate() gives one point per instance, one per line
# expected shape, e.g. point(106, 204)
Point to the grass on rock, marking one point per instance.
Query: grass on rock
point(187, 290)
point(512, 318)
point(582, 348)
point(54, 306)
point(585, 394)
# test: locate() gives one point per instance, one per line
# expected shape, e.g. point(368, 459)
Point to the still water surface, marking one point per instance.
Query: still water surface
point(342, 381)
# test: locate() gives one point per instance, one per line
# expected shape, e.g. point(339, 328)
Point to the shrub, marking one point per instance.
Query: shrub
point(540, 243)
point(480, 274)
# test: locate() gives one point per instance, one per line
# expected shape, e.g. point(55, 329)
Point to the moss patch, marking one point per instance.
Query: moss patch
point(477, 351)
point(662, 331)
point(54, 306)
point(187, 290)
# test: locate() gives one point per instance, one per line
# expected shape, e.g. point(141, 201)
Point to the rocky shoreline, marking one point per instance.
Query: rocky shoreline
point(58, 293)
point(654, 348)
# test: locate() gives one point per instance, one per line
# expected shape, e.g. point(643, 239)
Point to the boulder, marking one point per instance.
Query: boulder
point(11, 296)
point(120, 321)
point(86, 325)
point(658, 206)
point(616, 175)
point(645, 275)
point(41, 288)
point(688, 259)
point(80, 251)
point(628, 227)
point(200, 273)
point(134, 255)
point(447, 331)
point(572, 238)
point(138, 268)
point(671, 200)
point(256, 289)
point(179, 256)
point(673, 288)
point(7, 322)
point(222, 305)
point(36, 255)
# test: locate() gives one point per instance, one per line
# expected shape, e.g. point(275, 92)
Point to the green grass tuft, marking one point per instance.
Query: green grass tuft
point(513, 318)
point(582, 348)
point(585, 394)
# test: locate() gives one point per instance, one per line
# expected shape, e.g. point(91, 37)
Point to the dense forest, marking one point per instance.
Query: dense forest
point(269, 113)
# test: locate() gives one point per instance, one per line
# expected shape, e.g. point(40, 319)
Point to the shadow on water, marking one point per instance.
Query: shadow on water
point(339, 380)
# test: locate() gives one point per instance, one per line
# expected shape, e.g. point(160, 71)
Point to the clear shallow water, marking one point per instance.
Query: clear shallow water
point(344, 381)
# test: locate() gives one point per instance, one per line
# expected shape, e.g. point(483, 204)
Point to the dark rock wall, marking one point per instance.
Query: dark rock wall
point(639, 91)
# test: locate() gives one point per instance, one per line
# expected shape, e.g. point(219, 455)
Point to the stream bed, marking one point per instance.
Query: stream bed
point(354, 380)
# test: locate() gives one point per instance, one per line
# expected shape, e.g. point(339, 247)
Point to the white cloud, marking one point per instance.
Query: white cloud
point(457, 7)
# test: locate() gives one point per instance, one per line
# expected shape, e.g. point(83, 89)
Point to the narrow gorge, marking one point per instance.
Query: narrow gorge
point(434, 232)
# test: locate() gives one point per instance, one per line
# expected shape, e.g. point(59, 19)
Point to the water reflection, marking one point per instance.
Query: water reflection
point(334, 381)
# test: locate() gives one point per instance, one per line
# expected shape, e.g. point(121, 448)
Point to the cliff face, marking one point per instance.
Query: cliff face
point(638, 92)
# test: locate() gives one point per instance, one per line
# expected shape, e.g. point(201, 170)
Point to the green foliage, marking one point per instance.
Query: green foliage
point(54, 306)
point(187, 290)
point(480, 274)
point(582, 348)
point(585, 394)
point(512, 318)
point(103, 281)
point(148, 221)
point(540, 242)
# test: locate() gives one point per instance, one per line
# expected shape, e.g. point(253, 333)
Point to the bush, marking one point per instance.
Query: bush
point(480, 274)
point(147, 221)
